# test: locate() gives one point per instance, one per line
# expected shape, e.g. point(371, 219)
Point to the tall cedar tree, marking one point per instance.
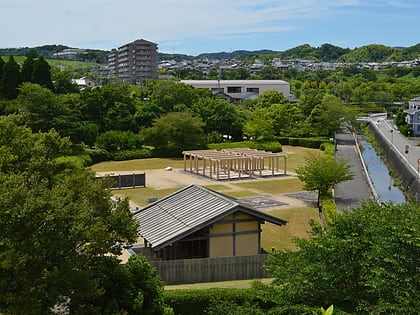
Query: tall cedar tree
point(1, 72)
point(11, 79)
point(27, 69)
point(42, 73)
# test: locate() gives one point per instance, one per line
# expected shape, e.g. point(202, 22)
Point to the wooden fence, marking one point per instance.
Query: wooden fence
point(127, 180)
point(211, 269)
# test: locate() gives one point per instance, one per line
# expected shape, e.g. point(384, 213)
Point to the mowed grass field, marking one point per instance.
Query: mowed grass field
point(296, 157)
point(277, 237)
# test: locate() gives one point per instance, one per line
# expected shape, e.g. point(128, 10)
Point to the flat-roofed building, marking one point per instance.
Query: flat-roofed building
point(134, 61)
point(239, 90)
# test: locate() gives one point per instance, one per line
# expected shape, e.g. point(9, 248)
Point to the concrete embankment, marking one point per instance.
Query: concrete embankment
point(397, 161)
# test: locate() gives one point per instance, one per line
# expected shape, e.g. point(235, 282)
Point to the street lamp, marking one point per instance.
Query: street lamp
point(392, 136)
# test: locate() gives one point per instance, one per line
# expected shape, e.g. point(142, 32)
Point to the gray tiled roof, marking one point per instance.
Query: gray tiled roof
point(187, 211)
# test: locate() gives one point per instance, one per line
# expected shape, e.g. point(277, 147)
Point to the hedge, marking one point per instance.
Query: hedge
point(329, 208)
point(273, 146)
point(131, 154)
point(196, 302)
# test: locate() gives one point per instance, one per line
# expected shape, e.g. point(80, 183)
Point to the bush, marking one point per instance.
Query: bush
point(273, 146)
point(327, 147)
point(197, 302)
point(114, 141)
point(98, 155)
point(131, 154)
point(329, 208)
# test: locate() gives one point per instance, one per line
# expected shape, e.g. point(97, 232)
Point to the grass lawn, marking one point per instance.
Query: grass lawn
point(133, 165)
point(296, 157)
point(273, 186)
point(140, 195)
point(235, 284)
point(280, 237)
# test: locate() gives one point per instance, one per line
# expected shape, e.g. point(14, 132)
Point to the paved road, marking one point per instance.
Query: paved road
point(350, 194)
point(399, 141)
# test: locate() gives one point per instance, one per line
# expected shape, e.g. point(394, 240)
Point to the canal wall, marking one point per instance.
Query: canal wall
point(397, 161)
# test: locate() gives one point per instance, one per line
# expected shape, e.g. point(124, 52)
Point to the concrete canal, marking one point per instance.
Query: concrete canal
point(379, 175)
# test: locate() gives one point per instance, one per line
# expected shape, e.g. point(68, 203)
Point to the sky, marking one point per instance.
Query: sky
point(193, 27)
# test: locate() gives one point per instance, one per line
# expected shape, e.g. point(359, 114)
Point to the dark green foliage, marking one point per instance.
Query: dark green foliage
point(41, 73)
point(175, 132)
point(57, 224)
point(272, 146)
point(27, 69)
point(62, 82)
point(131, 154)
point(98, 155)
point(113, 141)
point(366, 262)
point(321, 172)
point(11, 79)
point(197, 302)
point(219, 116)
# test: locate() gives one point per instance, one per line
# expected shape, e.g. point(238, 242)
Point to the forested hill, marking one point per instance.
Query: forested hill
point(326, 52)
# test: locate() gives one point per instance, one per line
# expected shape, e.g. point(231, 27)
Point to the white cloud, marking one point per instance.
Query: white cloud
point(108, 24)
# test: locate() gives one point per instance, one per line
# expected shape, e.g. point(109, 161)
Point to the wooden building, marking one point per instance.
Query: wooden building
point(196, 222)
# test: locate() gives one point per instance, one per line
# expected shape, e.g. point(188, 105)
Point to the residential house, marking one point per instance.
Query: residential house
point(84, 82)
point(413, 115)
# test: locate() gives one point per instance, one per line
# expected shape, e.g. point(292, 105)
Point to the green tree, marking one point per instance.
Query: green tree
point(57, 224)
point(42, 73)
point(325, 118)
point(366, 262)
point(27, 69)
point(260, 126)
point(174, 132)
point(11, 79)
point(321, 172)
point(63, 83)
point(47, 111)
point(219, 116)
point(170, 94)
point(269, 97)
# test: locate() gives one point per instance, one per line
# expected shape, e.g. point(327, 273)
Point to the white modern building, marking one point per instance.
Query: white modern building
point(238, 90)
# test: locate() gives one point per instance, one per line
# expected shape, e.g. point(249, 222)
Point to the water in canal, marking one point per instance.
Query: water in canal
point(379, 175)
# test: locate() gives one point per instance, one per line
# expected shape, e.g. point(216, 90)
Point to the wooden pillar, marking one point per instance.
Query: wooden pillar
point(204, 166)
point(190, 163)
point(185, 162)
point(285, 158)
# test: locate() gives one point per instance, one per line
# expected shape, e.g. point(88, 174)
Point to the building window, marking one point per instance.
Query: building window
point(234, 89)
point(253, 90)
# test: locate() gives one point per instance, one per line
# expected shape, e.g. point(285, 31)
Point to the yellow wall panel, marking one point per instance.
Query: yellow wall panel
point(221, 246)
point(247, 244)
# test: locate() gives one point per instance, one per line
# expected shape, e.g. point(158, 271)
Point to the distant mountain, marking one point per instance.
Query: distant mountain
point(326, 52)
point(48, 51)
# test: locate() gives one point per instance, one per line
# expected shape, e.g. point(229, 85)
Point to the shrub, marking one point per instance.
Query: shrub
point(131, 154)
point(98, 155)
point(196, 302)
point(327, 147)
point(113, 141)
point(329, 208)
point(273, 146)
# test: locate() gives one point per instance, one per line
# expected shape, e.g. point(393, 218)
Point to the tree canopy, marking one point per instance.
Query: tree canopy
point(322, 172)
point(366, 262)
point(58, 227)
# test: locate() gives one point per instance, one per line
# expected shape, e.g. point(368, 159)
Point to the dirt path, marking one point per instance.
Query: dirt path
point(177, 178)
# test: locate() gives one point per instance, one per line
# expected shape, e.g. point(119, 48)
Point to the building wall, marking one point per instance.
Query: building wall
point(235, 235)
point(134, 61)
point(241, 86)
